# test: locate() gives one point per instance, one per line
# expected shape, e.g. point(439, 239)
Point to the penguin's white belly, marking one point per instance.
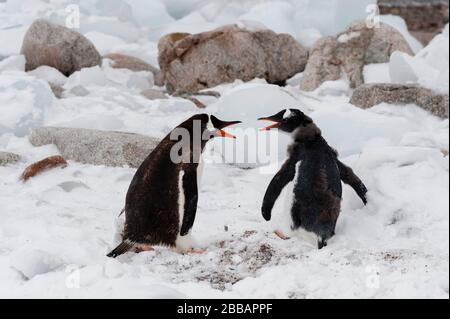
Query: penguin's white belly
point(181, 200)
point(185, 243)
point(182, 243)
point(200, 167)
point(283, 210)
point(119, 225)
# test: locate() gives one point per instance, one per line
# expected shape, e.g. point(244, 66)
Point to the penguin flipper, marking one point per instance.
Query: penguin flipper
point(123, 247)
point(350, 178)
point(190, 188)
point(285, 175)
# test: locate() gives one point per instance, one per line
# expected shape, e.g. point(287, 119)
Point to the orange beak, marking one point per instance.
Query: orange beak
point(220, 125)
point(222, 133)
point(268, 128)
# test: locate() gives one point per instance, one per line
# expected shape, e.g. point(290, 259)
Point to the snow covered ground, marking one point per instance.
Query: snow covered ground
point(56, 229)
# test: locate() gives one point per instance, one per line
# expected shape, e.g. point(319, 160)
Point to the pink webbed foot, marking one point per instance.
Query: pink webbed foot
point(138, 248)
point(193, 251)
point(281, 235)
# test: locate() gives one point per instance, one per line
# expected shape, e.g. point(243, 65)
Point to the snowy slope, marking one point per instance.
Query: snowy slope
point(56, 229)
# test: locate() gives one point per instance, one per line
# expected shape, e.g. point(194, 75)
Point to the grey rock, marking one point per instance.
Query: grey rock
point(425, 37)
point(369, 95)
point(385, 41)
point(96, 147)
point(349, 52)
point(8, 158)
point(424, 18)
point(59, 47)
point(322, 64)
point(153, 94)
point(123, 61)
point(199, 104)
point(191, 63)
point(57, 90)
point(407, 3)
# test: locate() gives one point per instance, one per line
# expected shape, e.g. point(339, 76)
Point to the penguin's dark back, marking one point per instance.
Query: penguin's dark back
point(317, 190)
point(151, 201)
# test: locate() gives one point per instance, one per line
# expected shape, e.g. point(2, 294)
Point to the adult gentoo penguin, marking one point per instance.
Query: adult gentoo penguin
point(316, 173)
point(161, 202)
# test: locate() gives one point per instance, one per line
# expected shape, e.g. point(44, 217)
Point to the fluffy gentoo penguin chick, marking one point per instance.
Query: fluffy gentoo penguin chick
point(316, 172)
point(161, 202)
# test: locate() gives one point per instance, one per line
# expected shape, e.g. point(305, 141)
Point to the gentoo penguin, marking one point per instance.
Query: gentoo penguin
point(161, 202)
point(316, 173)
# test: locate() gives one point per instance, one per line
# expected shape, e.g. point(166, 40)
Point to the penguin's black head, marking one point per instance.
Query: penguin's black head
point(288, 120)
point(217, 127)
point(210, 126)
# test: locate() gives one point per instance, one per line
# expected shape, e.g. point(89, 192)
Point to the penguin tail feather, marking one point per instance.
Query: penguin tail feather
point(124, 247)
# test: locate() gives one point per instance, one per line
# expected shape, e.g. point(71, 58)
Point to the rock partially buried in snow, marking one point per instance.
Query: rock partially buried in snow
point(57, 90)
point(424, 18)
point(153, 94)
point(429, 68)
point(399, 24)
point(8, 158)
point(122, 61)
point(349, 52)
point(55, 79)
point(59, 47)
point(191, 63)
point(369, 95)
point(196, 101)
point(322, 65)
point(96, 147)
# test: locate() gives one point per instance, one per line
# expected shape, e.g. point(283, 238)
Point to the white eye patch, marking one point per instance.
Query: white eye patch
point(287, 114)
point(210, 126)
